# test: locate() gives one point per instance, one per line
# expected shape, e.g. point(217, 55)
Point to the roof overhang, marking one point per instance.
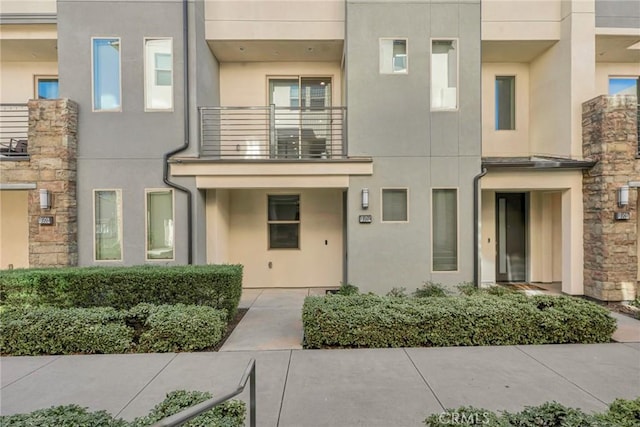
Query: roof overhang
point(536, 162)
point(271, 173)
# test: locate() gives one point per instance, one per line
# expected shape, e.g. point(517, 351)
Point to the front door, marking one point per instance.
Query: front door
point(511, 242)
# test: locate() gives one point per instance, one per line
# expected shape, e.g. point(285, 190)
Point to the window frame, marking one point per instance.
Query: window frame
point(457, 269)
point(392, 72)
point(298, 222)
point(93, 100)
point(147, 191)
point(513, 111)
point(118, 192)
point(36, 80)
point(622, 77)
point(457, 87)
point(382, 190)
point(147, 75)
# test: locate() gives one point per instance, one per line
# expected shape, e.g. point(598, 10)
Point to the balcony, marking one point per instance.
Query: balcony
point(14, 125)
point(273, 133)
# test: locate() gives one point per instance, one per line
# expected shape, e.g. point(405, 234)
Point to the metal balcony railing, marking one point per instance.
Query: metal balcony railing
point(14, 125)
point(270, 132)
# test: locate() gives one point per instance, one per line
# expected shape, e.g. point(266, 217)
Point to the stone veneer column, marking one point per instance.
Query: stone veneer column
point(53, 127)
point(609, 131)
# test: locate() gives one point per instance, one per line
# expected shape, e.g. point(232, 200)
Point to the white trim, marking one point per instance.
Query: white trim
point(457, 45)
point(146, 223)
point(145, 75)
point(612, 31)
point(12, 186)
point(38, 77)
point(93, 105)
point(118, 192)
point(382, 205)
point(393, 39)
point(457, 270)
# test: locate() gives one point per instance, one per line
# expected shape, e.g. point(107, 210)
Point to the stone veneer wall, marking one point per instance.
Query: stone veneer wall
point(52, 146)
point(609, 135)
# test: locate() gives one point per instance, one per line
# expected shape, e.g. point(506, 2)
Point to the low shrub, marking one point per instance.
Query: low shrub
point(347, 289)
point(144, 328)
point(398, 292)
point(621, 413)
point(46, 330)
point(218, 286)
point(479, 319)
point(178, 327)
point(429, 290)
point(228, 414)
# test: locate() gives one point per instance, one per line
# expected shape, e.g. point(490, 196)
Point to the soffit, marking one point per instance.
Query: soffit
point(277, 50)
point(513, 50)
point(618, 48)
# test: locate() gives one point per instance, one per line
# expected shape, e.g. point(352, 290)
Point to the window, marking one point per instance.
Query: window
point(394, 205)
point(284, 222)
point(46, 87)
point(106, 74)
point(158, 65)
point(505, 102)
point(445, 229)
point(444, 75)
point(160, 224)
point(108, 225)
point(623, 86)
point(393, 56)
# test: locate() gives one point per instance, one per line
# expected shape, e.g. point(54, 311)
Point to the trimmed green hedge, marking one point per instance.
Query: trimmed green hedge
point(218, 286)
point(479, 319)
point(621, 413)
point(51, 330)
point(228, 414)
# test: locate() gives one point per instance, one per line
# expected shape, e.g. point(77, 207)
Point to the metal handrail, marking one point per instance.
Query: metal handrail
point(195, 410)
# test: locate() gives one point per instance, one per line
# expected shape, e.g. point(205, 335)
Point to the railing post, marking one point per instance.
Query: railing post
point(272, 130)
point(252, 397)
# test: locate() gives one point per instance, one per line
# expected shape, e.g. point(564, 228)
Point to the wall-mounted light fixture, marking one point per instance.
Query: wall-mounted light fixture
point(623, 196)
point(365, 198)
point(45, 199)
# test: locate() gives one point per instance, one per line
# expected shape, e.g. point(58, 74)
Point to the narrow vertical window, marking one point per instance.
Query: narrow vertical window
point(505, 102)
point(108, 225)
point(47, 87)
point(160, 227)
point(284, 222)
point(394, 205)
point(444, 75)
point(158, 65)
point(393, 56)
point(445, 229)
point(106, 74)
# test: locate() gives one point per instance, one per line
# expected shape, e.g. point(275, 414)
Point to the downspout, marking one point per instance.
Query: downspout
point(165, 172)
point(476, 225)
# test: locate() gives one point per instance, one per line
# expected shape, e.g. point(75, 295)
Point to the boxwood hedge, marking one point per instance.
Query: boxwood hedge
point(218, 286)
point(51, 330)
point(478, 319)
point(228, 414)
point(621, 413)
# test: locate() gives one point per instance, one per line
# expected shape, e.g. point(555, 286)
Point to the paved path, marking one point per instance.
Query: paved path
point(365, 387)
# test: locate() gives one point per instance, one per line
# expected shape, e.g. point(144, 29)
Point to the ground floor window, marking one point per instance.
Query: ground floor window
point(284, 221)
point(108, 225)
point(394, 205)
point(160, 224)
point(445, 229)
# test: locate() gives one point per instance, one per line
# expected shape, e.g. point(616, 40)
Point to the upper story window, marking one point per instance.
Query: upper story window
point(444, 74)
point(393, 56)
point(47, 87)
point(505, 102)
point(624, 86)
point(158, 74)
point(106, 74)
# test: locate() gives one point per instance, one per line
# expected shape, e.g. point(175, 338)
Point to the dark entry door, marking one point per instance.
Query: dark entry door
point(511, 243)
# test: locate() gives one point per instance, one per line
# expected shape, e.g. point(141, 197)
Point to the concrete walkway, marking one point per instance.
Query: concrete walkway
point(360, 387)
point(365, 387)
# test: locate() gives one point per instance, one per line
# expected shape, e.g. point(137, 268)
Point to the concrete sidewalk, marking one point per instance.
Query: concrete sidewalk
point(297, 388)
